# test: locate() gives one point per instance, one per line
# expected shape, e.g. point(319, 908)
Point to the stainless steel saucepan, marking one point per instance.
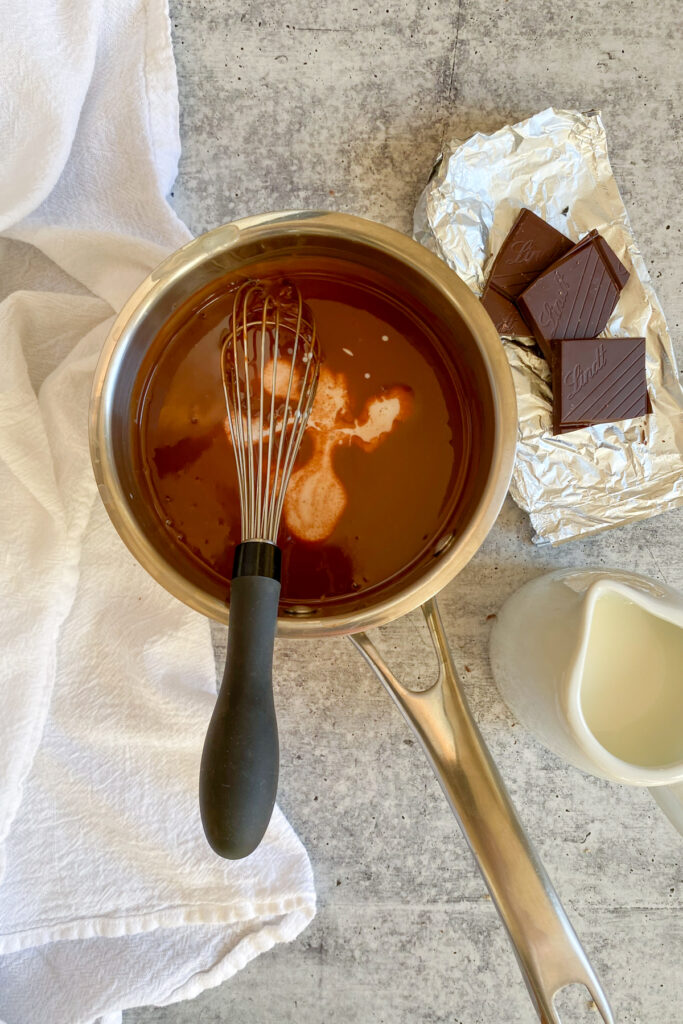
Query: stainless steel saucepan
point(549, 953)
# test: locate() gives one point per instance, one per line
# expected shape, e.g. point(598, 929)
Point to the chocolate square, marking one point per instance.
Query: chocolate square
point(597, 380)
point(573, 298)
point(530, 246)
point(504, 313)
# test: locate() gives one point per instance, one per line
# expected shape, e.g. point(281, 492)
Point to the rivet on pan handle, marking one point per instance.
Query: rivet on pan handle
point(548, 951)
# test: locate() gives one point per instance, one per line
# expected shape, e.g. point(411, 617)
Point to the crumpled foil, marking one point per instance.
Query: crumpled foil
point(556, 164)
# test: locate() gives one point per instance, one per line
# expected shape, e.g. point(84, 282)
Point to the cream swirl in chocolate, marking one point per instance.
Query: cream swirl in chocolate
point(383, 462)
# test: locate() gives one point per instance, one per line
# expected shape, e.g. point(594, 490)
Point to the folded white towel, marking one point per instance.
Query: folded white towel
point(110, 896)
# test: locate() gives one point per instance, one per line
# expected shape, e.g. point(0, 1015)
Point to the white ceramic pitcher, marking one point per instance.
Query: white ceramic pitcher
point(591, 662)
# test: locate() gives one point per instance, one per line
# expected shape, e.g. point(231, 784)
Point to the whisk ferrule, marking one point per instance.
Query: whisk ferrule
point(257, 558)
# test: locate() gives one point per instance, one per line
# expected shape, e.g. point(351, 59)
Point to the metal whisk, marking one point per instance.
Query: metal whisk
point(270, 363)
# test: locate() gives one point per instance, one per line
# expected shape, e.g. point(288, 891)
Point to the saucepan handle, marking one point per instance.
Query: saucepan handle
point(547, 948)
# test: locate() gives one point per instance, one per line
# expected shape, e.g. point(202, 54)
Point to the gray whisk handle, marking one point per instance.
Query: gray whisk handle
point(240, 761)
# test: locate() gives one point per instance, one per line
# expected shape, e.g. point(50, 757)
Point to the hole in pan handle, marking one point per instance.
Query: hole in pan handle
point(548, 951)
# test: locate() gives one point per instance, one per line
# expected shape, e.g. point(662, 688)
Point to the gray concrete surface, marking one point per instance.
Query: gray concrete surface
point(321, 104)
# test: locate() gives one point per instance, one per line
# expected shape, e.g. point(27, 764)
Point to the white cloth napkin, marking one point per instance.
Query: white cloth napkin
point(109, 895)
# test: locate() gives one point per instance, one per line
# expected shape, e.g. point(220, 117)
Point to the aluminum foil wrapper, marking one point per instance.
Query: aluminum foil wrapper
point(556, 164)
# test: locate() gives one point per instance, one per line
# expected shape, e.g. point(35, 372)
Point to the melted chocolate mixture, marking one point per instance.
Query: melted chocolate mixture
point(400, 489)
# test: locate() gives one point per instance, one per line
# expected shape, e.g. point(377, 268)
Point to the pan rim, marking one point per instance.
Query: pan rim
point(392, 243)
